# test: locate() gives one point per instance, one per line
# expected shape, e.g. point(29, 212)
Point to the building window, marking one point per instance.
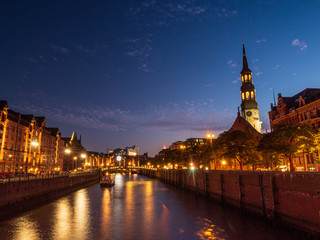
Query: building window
point(252, 95)
point(246, 77)
point(311, 159)
point(247, 95)
point(242, 94)
point(242, 79)
point(305, 116)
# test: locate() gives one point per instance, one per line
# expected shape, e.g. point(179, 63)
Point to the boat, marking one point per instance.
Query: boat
point(106, 182)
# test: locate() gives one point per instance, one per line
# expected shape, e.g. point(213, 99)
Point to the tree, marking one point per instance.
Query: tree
point(270, 151)
point(288, 140)
point(238, 145)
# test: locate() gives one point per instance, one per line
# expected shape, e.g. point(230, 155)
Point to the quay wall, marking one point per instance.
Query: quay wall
point(22, 195)
point(289, 198)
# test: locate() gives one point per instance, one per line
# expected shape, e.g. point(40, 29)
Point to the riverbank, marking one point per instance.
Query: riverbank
point(289, 198)
point(21, 195)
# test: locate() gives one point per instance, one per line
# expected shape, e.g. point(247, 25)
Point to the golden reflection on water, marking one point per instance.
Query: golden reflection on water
point(63, 220)
point(105, 213)
point(81, 215)
point(209, 230)
point(26, 228)
point(72, 222)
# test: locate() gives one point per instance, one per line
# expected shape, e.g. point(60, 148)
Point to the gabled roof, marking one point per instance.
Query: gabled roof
point(308, 94)
point(3, 104)
point(74, 137)
point(53, 131)
point(243, 125)
point(40, 120)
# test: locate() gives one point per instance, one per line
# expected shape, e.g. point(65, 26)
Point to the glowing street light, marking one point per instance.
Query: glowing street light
point(35, 144)
point(224, 162)
point(210, 136)
point(67, 151)
point(83, 155)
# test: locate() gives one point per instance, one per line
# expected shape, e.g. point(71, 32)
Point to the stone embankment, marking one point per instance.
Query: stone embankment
point(20, 195)
point(290, 198)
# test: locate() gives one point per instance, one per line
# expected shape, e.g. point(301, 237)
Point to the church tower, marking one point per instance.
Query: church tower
point(249, 105)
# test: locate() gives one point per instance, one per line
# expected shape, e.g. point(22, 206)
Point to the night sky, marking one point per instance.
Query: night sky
point(149, 73)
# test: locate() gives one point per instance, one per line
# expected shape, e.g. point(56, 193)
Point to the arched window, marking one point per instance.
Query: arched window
point(252, 95)
point(246, 77)
point(242, 95)
point(247, 95)
point(242, 79)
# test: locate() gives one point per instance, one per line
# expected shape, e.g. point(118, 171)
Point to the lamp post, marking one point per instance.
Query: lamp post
point(211, 136)
point(83, 156)
point(67, 151)
point(75, 163)
point(35, 145)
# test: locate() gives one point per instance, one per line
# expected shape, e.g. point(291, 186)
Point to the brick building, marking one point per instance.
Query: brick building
point(26, 145)
point(304, 108)
point(96, 160)
point(75, 154)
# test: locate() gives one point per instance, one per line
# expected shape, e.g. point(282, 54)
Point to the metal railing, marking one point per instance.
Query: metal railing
point(21, 178)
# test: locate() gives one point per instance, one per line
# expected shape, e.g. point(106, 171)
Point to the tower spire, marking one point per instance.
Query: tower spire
point(249, 105)
point(245, 67)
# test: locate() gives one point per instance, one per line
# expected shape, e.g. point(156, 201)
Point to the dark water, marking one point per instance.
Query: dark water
point(136, 208)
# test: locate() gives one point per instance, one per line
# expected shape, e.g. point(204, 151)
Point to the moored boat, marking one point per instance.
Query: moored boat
point(106, 182)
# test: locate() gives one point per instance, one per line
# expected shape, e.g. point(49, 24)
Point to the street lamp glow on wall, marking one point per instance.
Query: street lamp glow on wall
point(35, 144)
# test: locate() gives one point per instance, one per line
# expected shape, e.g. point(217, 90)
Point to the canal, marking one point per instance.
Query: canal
point(136, 208)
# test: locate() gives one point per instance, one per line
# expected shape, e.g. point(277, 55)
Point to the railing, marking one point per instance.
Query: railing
point(43, 176)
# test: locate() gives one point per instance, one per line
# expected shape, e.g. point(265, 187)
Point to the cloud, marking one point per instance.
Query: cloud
point(258, 73)
point(237, 80)
point(31, 59)
point(160, 13)
point(261, 40)
point(255, 60)
point(232, 64)
point(89, 49)
point(297, 43)
point(223, 12)
point(178, 117)
point(145, 68)
point(61, 50)
point(209, 85)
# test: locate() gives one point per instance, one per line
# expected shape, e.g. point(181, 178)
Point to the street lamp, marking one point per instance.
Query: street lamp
point(75, 162)
point(67, 151)
point(35, 144)
point(210, 136)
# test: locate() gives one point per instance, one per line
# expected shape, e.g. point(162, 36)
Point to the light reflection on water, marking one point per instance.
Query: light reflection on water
point(25, 228)
point(135, 208)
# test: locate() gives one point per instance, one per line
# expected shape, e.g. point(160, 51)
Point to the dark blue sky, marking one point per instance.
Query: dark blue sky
point(152, 72)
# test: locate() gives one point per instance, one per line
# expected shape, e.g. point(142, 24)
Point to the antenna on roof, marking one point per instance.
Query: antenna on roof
point(274, 98)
